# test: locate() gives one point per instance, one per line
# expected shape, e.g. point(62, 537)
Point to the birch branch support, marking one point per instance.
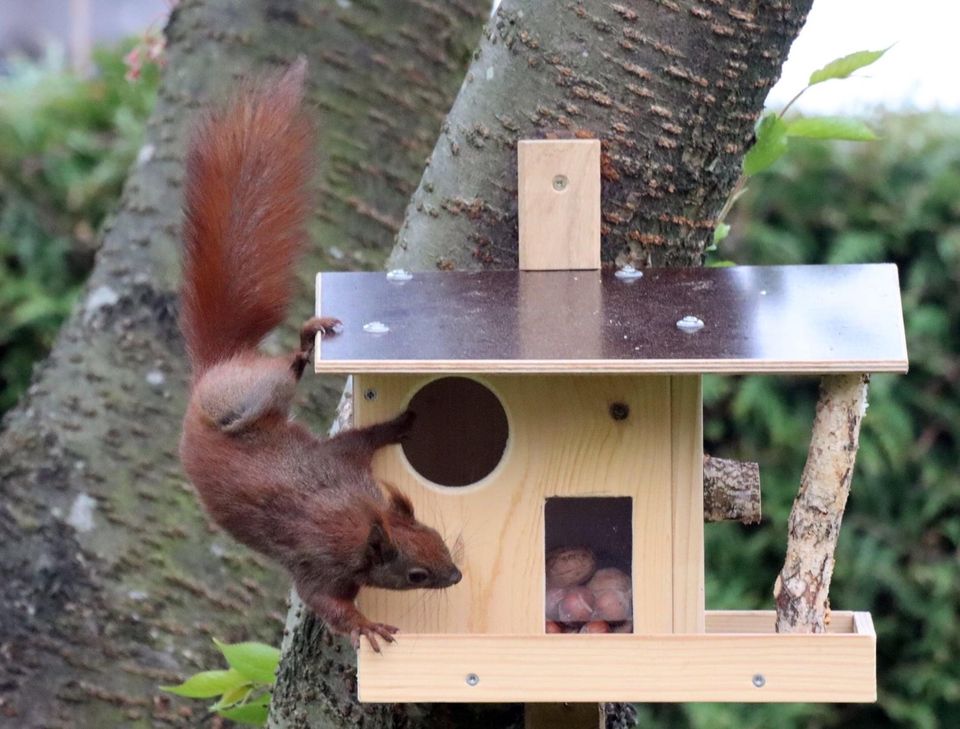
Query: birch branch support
point(803, 585)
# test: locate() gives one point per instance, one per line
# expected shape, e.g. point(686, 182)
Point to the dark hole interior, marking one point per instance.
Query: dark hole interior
point(460, 432)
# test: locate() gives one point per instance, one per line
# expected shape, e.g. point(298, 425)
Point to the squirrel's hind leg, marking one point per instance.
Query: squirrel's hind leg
point(313, 326)
point(236, 394)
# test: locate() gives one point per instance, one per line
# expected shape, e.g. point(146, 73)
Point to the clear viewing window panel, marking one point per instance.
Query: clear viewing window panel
point(589, 543)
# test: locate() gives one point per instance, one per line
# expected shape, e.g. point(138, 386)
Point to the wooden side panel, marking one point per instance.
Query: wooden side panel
point(750, 667)
point(563, 442)
point(687, 425)
point(558, 187)
point(764, 621)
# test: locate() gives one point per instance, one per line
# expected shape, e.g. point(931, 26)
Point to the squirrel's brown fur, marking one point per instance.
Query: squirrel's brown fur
point(311, 504)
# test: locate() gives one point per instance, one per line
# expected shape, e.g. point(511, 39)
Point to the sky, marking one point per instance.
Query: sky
point(918, 73)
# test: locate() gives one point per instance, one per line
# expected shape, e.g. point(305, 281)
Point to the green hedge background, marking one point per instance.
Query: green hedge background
point(896, 200)
point(65, 146)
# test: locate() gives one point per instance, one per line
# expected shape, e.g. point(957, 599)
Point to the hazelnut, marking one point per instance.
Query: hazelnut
point(554, 627)
point(576, 605)
point(612, 605)
point(596, 626)
point(610, 578)
point(552, 602)
point(568, 566)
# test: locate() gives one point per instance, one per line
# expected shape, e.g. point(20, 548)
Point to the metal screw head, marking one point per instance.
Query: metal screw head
point(399, 274)
point(628, 272)
point(370, 394)
point(472, 679)
point(376, 327)
point(759, 681)
point(690, 324)
point(560, 183)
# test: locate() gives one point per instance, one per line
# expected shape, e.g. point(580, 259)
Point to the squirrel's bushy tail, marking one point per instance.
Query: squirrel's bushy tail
point(248, 174)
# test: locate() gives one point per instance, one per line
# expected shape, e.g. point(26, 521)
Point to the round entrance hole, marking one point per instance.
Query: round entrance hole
point(460, 432)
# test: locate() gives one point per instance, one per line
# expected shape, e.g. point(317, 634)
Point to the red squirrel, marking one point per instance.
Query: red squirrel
point(311, 504)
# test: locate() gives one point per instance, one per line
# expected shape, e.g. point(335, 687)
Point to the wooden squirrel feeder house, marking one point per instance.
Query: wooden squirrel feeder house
point(559, 406)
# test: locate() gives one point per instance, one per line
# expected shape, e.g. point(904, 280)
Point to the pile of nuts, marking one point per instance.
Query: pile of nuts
point(583, 599)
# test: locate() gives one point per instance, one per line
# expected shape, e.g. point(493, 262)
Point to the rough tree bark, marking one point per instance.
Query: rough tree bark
point(803, 586)
point(110, 580)
point(672, 88)
point(731, 490)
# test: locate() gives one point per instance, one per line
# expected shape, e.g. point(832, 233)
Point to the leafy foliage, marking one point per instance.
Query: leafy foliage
point(65, 147)
point(773, 133)
point(244, 689)
point(770, 146)
point(899, 553)
point(830, 127)
point(843, 67)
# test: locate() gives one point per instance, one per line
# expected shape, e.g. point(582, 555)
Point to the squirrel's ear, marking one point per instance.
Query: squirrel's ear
point(380, 549)
point(399, 502)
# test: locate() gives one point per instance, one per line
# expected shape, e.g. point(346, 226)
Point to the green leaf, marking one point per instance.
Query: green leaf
point(208, 683)
point(257, 661)
point(843, 67)
point(720, 233)
point(770, 145)
point(830, 127)
point(247, 714)
point(254, 712)
point(233, 697)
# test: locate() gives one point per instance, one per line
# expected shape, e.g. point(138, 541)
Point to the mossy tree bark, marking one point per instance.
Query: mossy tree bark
point(672, 88)
point(111, 582)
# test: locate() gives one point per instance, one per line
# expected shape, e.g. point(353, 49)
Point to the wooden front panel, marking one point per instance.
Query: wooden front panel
point(687, 461)
point(563, 442)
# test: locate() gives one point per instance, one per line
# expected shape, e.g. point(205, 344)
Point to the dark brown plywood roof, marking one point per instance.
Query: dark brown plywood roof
point(814, 319)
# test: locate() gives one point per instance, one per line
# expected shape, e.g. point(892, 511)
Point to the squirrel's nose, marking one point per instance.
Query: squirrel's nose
point(455, 576)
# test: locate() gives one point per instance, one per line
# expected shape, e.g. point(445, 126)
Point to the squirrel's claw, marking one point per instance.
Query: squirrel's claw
point(315, 325)
point(370, 631)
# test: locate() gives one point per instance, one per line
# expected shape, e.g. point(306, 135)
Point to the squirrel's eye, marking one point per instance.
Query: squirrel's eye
point(417, 576)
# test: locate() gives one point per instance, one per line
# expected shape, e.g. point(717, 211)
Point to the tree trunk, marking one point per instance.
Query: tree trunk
point(672, 88)
point(111, 582)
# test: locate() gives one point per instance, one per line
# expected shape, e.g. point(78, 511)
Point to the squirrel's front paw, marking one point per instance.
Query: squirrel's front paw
point(370, 631)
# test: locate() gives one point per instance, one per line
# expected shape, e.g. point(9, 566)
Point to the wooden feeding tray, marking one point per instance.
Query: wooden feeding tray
point(738, 659)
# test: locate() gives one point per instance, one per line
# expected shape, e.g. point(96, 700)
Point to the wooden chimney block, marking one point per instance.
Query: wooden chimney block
point(559, 204)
